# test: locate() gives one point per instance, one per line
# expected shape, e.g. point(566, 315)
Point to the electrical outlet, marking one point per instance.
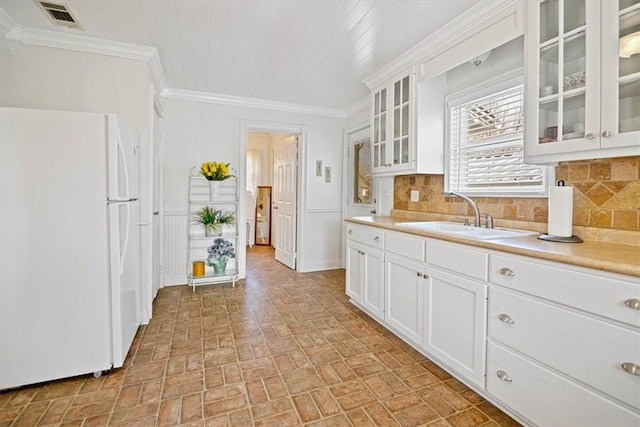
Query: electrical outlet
point(318, 167)
point(327, 174)
point(415, 195)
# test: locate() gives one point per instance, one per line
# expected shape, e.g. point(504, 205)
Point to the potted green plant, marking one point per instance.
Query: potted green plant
point(210, 218)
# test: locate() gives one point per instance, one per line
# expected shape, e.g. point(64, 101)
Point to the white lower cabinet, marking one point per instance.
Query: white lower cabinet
point(404, 288)
point(557, 356)
point(455, 310)
point(552, 344)
point(365, 267)
point(546, 398)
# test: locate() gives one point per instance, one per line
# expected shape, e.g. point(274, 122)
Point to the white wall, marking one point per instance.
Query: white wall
point(197, 131)
point(59, 79)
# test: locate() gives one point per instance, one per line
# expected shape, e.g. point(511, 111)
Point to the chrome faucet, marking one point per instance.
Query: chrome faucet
point(476, 212)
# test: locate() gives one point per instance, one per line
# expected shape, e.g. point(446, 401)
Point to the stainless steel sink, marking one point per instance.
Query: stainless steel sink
point(460, 230)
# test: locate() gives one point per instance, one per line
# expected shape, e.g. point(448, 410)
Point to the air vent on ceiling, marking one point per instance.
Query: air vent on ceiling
point(60, 15)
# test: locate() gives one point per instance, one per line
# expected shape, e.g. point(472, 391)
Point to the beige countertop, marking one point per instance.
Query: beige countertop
point(611, 257)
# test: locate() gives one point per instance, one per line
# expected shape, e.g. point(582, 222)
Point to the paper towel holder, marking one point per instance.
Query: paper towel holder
point(551, 238)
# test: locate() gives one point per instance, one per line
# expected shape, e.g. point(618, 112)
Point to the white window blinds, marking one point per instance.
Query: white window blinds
point(486, 147)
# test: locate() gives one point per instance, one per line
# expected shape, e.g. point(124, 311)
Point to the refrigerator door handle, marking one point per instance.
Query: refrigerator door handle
point(125, 243)
point(125, 167)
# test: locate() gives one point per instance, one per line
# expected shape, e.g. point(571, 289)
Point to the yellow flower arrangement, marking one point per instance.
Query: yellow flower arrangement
point(215, 171)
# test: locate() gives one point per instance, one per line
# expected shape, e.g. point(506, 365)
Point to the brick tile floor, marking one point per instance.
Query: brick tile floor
point(280, 349)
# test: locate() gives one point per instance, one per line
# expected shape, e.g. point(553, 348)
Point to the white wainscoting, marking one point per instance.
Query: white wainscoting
point(175, 248)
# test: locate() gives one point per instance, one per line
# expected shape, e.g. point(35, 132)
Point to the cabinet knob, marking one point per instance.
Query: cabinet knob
point(506, 318)
point(419, 274)
point(350, 231)
point(631, 368)
point(504, 376)
point(377, 238)
point(507, 272)
point(589, 136)
point(633, 303)
point(606, 134)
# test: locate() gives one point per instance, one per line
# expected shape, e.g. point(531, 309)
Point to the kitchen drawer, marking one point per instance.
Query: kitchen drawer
point(458, 258)
point(371, 236)
point(546, 398)
point(584, 348)
point(409, 246)
point(595, 293)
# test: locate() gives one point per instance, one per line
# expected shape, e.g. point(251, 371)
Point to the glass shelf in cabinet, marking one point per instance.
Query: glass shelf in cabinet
point(549, 53)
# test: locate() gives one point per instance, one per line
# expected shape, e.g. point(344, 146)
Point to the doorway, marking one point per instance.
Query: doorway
point(273, 156)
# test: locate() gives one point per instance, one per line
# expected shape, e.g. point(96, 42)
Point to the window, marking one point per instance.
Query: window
point(362, 180)
point(485, 136)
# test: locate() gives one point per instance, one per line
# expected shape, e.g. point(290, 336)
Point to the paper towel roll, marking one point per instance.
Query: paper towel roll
point(560, 211)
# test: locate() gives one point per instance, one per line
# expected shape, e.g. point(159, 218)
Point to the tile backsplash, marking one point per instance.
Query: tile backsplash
point(606, 196)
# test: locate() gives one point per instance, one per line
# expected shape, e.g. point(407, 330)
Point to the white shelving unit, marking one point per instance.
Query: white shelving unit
point(225, 197)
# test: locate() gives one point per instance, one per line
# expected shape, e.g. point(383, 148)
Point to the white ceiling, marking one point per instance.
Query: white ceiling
point(295, 51)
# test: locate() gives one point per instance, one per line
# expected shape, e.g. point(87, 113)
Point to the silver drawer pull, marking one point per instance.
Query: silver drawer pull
point(507, 272)
point(633, 303)
point(506, 318)
point(631, 368)
point(504, 376)
point(377, 238)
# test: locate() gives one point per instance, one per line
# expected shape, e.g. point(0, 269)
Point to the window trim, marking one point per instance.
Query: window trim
point(486, 88)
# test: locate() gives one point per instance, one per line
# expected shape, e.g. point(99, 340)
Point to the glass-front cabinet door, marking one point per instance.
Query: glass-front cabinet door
point(379, 128)
point(563, 46)
point(392, 125)
point(401, 121)
point(620, 73)
point(583, 95)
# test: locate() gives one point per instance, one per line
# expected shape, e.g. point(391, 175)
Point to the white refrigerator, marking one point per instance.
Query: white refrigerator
point(69, 244)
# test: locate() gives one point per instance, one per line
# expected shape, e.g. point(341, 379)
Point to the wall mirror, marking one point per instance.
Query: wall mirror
point(263, 216)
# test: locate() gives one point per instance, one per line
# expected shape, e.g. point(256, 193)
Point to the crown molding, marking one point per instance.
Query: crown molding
point(241, 101)
point(456, 30)
point(359, 105)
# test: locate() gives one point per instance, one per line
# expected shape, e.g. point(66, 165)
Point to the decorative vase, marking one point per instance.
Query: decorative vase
point(214, 189)
point(219, 264)
point(212, 230)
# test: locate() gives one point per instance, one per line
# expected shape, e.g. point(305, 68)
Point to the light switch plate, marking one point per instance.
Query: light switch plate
point(415, 195)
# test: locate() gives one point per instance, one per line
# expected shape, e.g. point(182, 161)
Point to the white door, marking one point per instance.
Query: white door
point(360, 186)
point(157, 204)
point(285, 153)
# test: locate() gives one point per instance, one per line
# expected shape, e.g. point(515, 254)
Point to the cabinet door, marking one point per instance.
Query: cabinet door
point(379, 130)
point(404, 296)
point(620, 74)
point(354, 270)
point(402, 123)
point(455, 323)
point(372, 281)
point(563, 76)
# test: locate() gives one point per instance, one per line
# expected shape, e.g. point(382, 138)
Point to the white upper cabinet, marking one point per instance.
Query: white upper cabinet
point(582, 94)
point(397, 146)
